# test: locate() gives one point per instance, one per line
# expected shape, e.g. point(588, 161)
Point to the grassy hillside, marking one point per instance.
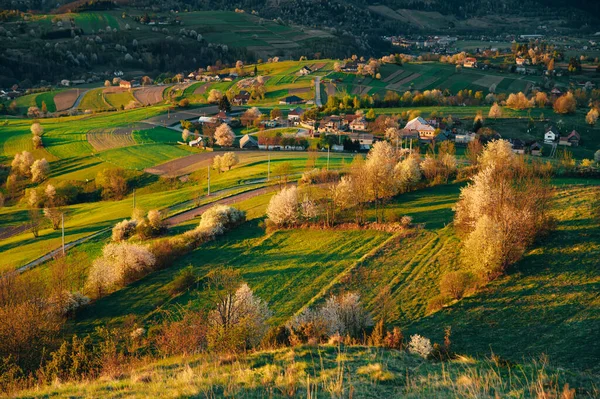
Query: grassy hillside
point(548, 303)
point(545, 299)
point(325, 372)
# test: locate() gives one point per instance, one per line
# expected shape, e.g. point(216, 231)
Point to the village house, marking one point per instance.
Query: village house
point(470, 62)
point(551, 135)
point(425, 130)
point(271, 123)
point(304, 71)
point(556, 92)
point(518, 146)
point(290, 100)
point(535, 149)
point(241, 98)
point(294, 116)
point(350, 66)
point(248, 142)
point(128, 84)
point(364, 139)
point(196, 142)
point(358, 123)
point(572, 140)
point(464, 137)
point(330, 124)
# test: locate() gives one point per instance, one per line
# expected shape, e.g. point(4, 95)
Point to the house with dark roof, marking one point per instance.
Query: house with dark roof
point(535, 149)
point(241, 98)
point(294, 116)
point(304, 71)
point(290, 100)
point(518, 146)
point(248, 142)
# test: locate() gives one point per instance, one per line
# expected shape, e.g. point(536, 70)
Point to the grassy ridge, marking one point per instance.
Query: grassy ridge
point(547, 303)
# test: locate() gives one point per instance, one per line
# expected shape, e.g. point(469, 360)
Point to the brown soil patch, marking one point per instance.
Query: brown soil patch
point(150, 95)
point(66, 99)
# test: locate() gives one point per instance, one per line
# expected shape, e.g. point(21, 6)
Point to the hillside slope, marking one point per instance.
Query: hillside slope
point(326, 372)
point(548, 303)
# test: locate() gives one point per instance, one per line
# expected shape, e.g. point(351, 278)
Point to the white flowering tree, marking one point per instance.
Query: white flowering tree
point(21, 164)
point(214, 96)
point(420, 346)
point(39, 170)
point(283, 208)
point(224, 136)
point(238, 320)
point(119, 263)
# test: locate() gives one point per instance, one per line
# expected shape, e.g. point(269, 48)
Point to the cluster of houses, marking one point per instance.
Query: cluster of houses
point(553, 136)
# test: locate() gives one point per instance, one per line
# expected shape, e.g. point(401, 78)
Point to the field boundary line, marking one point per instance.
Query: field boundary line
point(371, 254)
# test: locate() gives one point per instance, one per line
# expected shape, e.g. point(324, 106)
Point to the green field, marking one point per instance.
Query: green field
point(119, 100)
point(94, 100)
point(139, 157)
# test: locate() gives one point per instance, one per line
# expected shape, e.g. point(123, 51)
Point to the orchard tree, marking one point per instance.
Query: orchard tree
point(224, 136)
point(21, 164)
point(185, 135)
point(592, 117)
point(229, 160)
point(495, 111)
point(565, 104)
point(541, 99)
point(214, 96)
point(39, 170)
point(283, 208)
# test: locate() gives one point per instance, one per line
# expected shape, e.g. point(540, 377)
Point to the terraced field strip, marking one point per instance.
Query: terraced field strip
point(408, 79)
point(317, 66)
point(105, 139)
point(393, 75)
point(66, 99)
point(488, 80)
point(360, 90)
point(326, 289)
point(150, 95)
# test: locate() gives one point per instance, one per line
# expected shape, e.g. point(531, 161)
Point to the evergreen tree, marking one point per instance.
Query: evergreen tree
point(224, 104)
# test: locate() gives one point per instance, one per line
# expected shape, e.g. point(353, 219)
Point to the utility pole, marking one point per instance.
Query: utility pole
point(269, 168)
point(328, 148)
point(62, 219)
point(208, 180)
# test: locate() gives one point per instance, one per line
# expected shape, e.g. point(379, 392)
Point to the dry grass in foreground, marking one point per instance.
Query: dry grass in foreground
point(331, 371)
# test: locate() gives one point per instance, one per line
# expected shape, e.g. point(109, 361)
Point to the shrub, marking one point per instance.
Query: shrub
point(119, 264)
point(123, 230)
point(437, 303)
point(318, 176)
point(343, 315)
point(184, 336)
point(216, 220)
point(420, 346)
point(394, 339)
point(182, 281)
point(65, 302)
point(456, 284)
point(238, 323)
